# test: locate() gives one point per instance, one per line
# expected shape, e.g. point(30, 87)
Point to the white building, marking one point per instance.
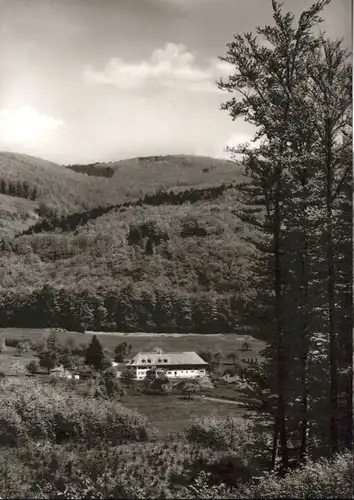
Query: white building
point(61, 372)
point(176, 365)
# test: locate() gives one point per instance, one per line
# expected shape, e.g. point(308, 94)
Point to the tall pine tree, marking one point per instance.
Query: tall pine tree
point(288, 202)
point(94, 355)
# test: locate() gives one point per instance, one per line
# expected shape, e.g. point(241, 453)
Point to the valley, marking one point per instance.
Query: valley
point(170, 258)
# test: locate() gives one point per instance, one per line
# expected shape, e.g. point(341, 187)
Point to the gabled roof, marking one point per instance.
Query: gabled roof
point(166, 359)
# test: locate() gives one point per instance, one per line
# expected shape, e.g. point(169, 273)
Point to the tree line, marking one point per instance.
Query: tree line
point(295, 87)
point(92, 169)
point(72, 221)
point(127, 309)
point(20, 189)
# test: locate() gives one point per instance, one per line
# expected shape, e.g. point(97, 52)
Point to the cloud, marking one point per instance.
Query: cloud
point(173, 66)
point(26, 126)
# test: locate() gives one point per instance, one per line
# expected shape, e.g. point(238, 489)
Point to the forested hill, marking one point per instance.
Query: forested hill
point(172, 259)
point(32, 189)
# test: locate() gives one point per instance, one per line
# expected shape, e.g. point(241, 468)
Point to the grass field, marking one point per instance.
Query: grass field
point(223, 343)
point(12, 364)
point(172, 414)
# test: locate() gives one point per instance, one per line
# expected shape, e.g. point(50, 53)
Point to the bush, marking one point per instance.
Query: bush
point(32, 367)
point(10, 342)
point(226, 433)
point(46, 413)
point(246, 346)
point(11, 427)
point(322, 479)
point(134, 470)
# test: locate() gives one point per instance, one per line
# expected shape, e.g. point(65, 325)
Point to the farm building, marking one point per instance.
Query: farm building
point(61, 372)
point(175, 364)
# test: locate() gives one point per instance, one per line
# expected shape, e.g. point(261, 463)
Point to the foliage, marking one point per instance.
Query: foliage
point(36, 411)
point(246, 346)
point(127, 377)
point(22, 347)
point(48, 359)
point(193, 386)
point(294, 86)
point(32, 367)
point(229, 433)
point(110, 384)
point(175, 289)
point(122, 351)
point(154, 470)
point(321, 479)
point(190, 387)
point(156, 382)
point(94, 354)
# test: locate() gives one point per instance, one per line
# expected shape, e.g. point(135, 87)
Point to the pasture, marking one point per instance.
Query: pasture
point(216, 343)
point(13, 364)
point(171, 414)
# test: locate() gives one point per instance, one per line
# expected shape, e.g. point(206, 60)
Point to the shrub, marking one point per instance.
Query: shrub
point(227, 433)
point(22, 347)
point(134, 470)
point(246, 346)
point(32, 367)
point(11, 427)
point(200, 488)
point(46, 413)
point(322, 479)
point(10, 342)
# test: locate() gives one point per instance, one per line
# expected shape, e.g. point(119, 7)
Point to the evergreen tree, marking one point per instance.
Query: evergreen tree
point(94, 354)
point(48, 359)
point(121, 351)
point(110, 385)
point(164, 314)
point(331, 107)
point(126, 313)
point(3, 186)
point(184, 316)
point(280, 198)
point(48, 306)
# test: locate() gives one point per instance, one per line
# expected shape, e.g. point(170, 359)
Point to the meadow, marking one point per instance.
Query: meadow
point(171, 414)
point(222, 343)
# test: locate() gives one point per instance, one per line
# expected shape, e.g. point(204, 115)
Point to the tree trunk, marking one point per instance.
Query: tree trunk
point(281, 370)
point(333, 340)
point(275, 444)
point(304, 451)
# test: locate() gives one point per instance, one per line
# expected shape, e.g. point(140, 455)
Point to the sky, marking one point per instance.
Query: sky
point(102, 80)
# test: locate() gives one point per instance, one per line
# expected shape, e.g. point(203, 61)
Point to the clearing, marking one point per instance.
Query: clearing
point(222, 343)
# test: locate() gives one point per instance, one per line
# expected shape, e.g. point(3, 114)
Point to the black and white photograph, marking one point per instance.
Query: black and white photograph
point(176, 249)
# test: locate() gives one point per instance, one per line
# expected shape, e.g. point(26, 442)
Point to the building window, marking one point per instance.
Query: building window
point(175, 373)
point(149, 360)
